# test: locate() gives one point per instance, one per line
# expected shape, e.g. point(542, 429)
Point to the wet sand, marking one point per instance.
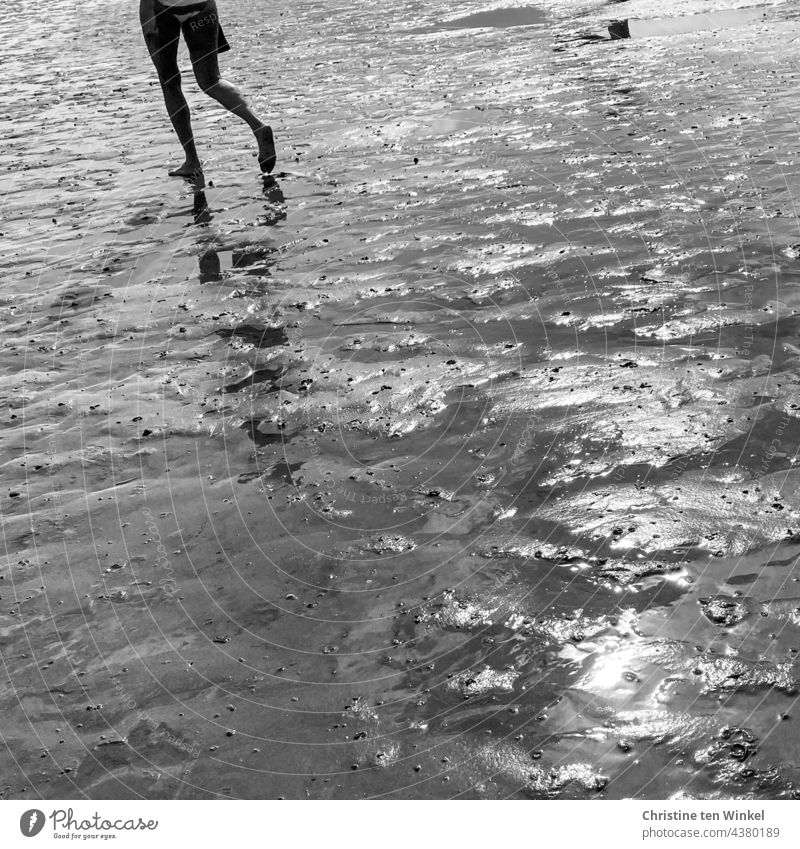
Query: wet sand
point(457, 461)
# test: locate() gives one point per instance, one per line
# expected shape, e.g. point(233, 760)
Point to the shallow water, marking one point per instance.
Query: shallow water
point(520, 16)
point(695, 23)
point(458, 461)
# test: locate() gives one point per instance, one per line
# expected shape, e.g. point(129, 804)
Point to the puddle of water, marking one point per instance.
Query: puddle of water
point(463, 119)
point(694, 23)
point(522, 16)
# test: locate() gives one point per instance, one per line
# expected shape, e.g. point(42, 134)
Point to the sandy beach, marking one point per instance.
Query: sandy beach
point(458, 460)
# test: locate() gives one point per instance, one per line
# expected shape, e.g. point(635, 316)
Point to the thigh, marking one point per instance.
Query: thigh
point(163, 47)
point(201, 34)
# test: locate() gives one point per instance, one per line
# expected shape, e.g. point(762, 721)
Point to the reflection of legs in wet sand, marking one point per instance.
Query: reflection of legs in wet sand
point(200, 211)
point(275, 207)
point(162, 24)
point(272, 190)
point(210, 267)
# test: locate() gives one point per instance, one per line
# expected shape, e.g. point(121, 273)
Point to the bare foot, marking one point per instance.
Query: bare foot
point(190, 170)
point(266, 148)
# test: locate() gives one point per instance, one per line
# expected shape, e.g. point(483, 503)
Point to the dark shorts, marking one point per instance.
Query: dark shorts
point(198, 22)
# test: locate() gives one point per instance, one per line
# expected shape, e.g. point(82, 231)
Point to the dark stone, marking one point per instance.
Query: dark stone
point(619, 29)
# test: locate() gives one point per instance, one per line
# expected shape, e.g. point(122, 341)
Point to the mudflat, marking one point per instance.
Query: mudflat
point(458, 459)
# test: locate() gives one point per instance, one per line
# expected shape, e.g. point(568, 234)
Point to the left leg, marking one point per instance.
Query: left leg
point(162, 45)
point(201, 39)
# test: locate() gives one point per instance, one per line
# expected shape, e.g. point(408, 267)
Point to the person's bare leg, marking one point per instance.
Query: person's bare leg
point(227, 95)
point(163, 48)
point(206, 71)
point(179, 114)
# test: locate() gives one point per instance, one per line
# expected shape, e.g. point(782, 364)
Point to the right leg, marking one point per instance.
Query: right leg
point(163, 48)
point(202, 39)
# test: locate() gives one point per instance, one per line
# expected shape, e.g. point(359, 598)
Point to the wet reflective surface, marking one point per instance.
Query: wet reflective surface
point(716, 20)
point(457, 460)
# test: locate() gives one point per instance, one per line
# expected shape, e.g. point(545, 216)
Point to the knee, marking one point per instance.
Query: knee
point(171, 81)
point(207, 83)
